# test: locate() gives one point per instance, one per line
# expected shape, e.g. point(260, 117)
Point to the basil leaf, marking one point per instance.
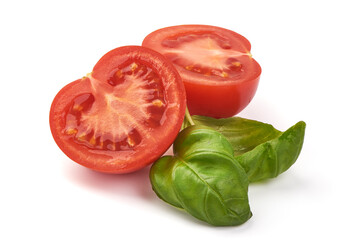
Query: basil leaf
point(161, 180)
point(203, 178)
point(263, 151)
point(274, 157)
point(243, 134)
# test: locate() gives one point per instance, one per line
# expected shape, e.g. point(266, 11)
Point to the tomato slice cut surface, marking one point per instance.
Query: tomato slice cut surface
point(219, 73)
point(122, 116)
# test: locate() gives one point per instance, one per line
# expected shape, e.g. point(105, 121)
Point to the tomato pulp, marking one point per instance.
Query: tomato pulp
point(124, 115)
point(217, 68)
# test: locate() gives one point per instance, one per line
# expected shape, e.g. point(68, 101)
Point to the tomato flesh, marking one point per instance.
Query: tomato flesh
point(216, 65)
point(122, 118)
point(209, 55)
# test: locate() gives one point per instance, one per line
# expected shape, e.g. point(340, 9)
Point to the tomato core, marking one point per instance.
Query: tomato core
point(136, 88)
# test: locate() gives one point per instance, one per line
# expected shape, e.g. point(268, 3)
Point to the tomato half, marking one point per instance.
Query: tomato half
point(219, 73)
point(124, 115)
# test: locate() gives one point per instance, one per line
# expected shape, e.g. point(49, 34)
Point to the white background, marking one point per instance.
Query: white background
point(309, 54)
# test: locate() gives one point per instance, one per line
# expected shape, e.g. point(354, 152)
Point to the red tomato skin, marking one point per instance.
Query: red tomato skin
point(219, 99)
point(149, 150)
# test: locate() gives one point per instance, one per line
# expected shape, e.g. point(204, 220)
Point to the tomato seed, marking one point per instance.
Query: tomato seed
point(71, 131)
point(133, 67)
point(224, 74)
point(92, 141)
point(189, 67)
point(157, 103)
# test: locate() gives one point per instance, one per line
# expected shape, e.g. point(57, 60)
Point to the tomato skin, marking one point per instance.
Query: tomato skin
point(154, 140)
point(210, 95)
point(219, 101)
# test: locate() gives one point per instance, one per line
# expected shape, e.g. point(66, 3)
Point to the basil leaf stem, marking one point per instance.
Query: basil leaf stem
point(188, 117)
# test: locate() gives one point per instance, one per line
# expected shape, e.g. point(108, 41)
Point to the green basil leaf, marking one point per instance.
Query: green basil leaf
point(243, 134)
point(162, 182)
point(201, 139)
point(203, 178)
point(274, 157)
point(263, 151)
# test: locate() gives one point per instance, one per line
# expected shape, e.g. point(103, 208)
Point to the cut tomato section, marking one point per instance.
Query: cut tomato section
point(219, 73)
point(122, 116)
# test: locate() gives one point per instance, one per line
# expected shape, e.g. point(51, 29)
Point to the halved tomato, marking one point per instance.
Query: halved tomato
point(219, 73)
point(124, 115)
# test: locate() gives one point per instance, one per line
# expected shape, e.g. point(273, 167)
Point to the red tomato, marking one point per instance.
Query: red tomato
point(124, 115)
point(219, 73)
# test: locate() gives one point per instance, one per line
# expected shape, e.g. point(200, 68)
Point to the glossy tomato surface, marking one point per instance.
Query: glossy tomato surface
point(122, 116)
point(219, 73)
